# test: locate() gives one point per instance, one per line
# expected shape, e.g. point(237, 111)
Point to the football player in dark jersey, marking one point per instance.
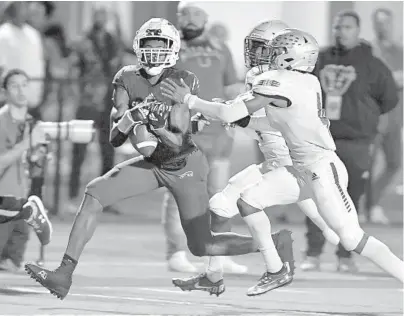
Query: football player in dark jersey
point(175, 163)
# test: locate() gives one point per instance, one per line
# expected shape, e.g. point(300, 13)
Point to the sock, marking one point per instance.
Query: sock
point(381, 255)
point(260, 229)
point(68, 263)
point(214, 270)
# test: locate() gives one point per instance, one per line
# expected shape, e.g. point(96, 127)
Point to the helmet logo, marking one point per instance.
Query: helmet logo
point(153, 32)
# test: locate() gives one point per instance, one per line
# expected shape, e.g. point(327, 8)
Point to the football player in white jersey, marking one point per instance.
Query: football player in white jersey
point(291, 96)
point(224, 204)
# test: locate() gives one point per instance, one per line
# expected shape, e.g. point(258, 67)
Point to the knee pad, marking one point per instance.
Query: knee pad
point(350, 236)
point(223, 206)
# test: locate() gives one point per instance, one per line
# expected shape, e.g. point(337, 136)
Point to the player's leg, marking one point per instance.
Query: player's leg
point(175, 237)
point(219, 173)
point(329, 181)
point(130, 178)
point(188, 186)
point(31, 210)
point(309, 208)
point(223, 206)
point(17, 244)
point(278, 187)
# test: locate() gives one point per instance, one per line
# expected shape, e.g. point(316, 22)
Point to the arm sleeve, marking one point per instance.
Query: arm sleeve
point(384, 87)
point(225, 112)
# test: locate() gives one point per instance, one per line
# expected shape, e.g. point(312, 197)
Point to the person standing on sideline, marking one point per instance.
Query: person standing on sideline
point(357, 89)
point(390, 140)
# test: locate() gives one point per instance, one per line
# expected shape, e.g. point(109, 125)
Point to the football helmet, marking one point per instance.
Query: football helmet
point(154, 60)
point(293, 49)
point(257, 42)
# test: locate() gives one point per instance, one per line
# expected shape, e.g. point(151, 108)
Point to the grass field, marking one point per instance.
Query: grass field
point(123, 272)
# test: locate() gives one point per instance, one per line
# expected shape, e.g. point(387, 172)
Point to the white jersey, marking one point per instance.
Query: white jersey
point(306, 136)
point(270, 141)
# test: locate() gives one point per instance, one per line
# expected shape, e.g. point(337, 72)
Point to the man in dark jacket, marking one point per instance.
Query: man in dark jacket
point(357, 89)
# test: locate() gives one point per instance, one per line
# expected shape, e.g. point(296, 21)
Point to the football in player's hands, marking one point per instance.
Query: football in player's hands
point(142, 140)
point(139, 113)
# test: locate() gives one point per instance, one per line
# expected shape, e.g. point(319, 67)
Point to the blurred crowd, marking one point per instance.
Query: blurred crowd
point(79, 74)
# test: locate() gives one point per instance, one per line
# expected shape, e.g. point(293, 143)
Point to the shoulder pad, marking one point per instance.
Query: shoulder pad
point(267, 81)
point(122, 77)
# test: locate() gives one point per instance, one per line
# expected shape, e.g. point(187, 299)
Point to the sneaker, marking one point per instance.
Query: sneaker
point(58, 282)
point(200, 283)
point(39, 220)
point(378, 216)
point(180, 263)
point(271, 281)
point(311, 264)
point(229, 266)
point(347, 265)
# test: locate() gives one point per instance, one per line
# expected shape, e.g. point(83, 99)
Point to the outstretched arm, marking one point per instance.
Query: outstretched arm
point(227, 112)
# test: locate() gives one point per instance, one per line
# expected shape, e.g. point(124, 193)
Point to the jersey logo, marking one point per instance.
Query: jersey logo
point(336, 79)
point(186, 174)
point(271, 83)
point(314, 176)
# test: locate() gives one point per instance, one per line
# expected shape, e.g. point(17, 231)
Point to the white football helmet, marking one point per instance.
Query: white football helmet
point(293, 49)
point(154, 60)
point(257, 42)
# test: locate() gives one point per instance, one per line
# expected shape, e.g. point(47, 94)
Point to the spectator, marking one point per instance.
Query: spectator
point(58, 56)
point(99, 59)
point(391, 142)
point(14, 142)
point(22, 48)
point(211, 61)
point(357, 89)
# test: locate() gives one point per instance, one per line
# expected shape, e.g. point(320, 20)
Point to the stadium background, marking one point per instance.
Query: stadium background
point(139, 255)
point(76, 18)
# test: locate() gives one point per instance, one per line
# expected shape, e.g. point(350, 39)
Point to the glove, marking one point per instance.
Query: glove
point(131, 118)
point(158, 115)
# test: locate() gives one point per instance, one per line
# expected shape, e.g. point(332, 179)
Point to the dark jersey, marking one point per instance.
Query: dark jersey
point(132, 79)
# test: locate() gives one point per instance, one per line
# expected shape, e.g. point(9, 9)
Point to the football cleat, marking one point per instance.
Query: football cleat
point(39, 220)
point(200, 283)
point(271, 281)
point(58, 282)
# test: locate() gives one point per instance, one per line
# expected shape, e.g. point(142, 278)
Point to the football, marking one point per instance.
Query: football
point(142, 140)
